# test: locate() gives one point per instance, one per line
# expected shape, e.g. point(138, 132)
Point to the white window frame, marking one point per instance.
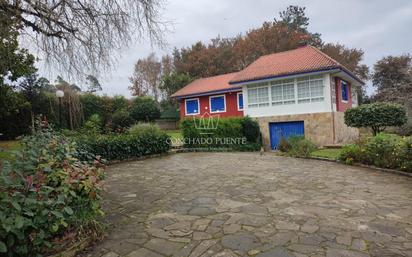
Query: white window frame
point(198, 104)
point(237, 100)
point(210, 103)
point(309, 79)
point(281, 85)
point(257, 87)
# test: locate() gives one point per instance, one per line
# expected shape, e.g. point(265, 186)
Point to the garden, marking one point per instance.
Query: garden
point(380, 149)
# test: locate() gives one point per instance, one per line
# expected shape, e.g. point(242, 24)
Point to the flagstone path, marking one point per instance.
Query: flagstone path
point(245, 204)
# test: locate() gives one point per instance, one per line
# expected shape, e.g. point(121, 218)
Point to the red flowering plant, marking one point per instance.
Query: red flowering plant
point(48, 198)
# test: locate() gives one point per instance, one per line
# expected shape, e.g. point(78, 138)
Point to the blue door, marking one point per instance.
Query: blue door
point(284, 129)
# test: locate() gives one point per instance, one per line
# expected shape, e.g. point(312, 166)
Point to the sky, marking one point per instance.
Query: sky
point(378, 27)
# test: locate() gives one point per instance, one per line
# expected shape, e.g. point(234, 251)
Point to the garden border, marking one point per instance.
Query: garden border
point(398, 172)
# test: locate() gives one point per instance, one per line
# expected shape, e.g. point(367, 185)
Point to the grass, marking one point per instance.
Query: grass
point(175, 134)
point(6, 147)
point(327, 153)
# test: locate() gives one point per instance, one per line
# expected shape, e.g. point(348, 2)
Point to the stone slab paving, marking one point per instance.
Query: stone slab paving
point(247, 204)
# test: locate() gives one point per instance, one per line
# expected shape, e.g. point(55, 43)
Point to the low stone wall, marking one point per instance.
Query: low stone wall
point(318, 128)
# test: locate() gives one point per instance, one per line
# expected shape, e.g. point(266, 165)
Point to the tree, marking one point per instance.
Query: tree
point(15, 61)
point(146, 77)
point(392, 79)
point(377, 116)
point(172, 82)
point(93, 84)
point(224, 55)
point(144, 109)
point(35, 90)
point(77, 36)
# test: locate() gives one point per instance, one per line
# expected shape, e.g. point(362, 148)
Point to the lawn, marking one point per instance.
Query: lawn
point(327, 153)
point(6, 147)
point(175, 134)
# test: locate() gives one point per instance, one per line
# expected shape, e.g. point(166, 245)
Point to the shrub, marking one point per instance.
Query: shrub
point(221, 133)
point(250, 129)
point(47, 196)
point(351, 153)
point(122, 146)
point(300, 146)
point(144, 109)
point(405, 154)
point(142, 129)
point(381, 150)
point(284, 145)
point(121, 120)
point(376, 116)
point(94, 124)
point(15, 117)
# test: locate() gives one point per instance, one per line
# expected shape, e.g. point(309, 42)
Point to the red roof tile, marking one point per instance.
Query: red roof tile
point(205, 85)
point(303, 59)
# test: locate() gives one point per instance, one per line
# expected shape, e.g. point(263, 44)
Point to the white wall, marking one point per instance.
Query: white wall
point(286, 109)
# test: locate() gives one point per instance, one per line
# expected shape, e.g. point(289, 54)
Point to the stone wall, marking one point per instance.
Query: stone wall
point(343, 133)
point(318, 128)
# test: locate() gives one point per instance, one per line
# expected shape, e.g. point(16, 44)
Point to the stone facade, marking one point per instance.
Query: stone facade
point(318, 128)
point(343, 133)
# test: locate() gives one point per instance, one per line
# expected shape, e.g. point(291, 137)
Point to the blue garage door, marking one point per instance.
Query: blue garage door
point(284, 129)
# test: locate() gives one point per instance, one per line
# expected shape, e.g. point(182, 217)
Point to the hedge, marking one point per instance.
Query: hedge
point(122, 146)
point(240, 134)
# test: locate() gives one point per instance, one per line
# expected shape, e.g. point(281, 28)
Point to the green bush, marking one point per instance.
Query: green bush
point(351, 153)
point(121, 120)
point(93, 125)
point(15, 117)
point(122, 146)
point(46, 196)
point(377, 116)
point(300, 146)
point(405, 154)
point(144, 109)
point(221, 133)
point(284, 145)
point(250, 129)
point(142, 129)
point(382, 150)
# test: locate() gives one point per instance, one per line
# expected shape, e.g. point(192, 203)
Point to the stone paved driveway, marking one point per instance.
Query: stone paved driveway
point(245, 204)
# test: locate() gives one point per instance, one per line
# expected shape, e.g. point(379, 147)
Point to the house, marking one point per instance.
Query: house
point(213, 95)
point(297, 92)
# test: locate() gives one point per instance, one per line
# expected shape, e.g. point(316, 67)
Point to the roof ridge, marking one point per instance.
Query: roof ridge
point(284, 52)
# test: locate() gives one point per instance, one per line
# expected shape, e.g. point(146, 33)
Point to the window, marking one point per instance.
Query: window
point(310, 89)
point(283, 92)
point(258, 97)
point(345, 90)
point(192, 106)
point(217, 103)
point(239, 101)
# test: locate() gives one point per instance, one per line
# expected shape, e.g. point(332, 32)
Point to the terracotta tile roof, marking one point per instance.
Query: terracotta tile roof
point(303, 59)
point(205, 85)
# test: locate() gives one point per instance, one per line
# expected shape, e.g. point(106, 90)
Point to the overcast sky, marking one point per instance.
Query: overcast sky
point(379, 27)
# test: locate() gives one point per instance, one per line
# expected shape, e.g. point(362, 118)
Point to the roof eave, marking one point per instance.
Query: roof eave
point(234, 89)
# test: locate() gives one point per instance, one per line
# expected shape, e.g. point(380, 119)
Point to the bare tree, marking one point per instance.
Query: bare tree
point(146, 77)
point(84, 36)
